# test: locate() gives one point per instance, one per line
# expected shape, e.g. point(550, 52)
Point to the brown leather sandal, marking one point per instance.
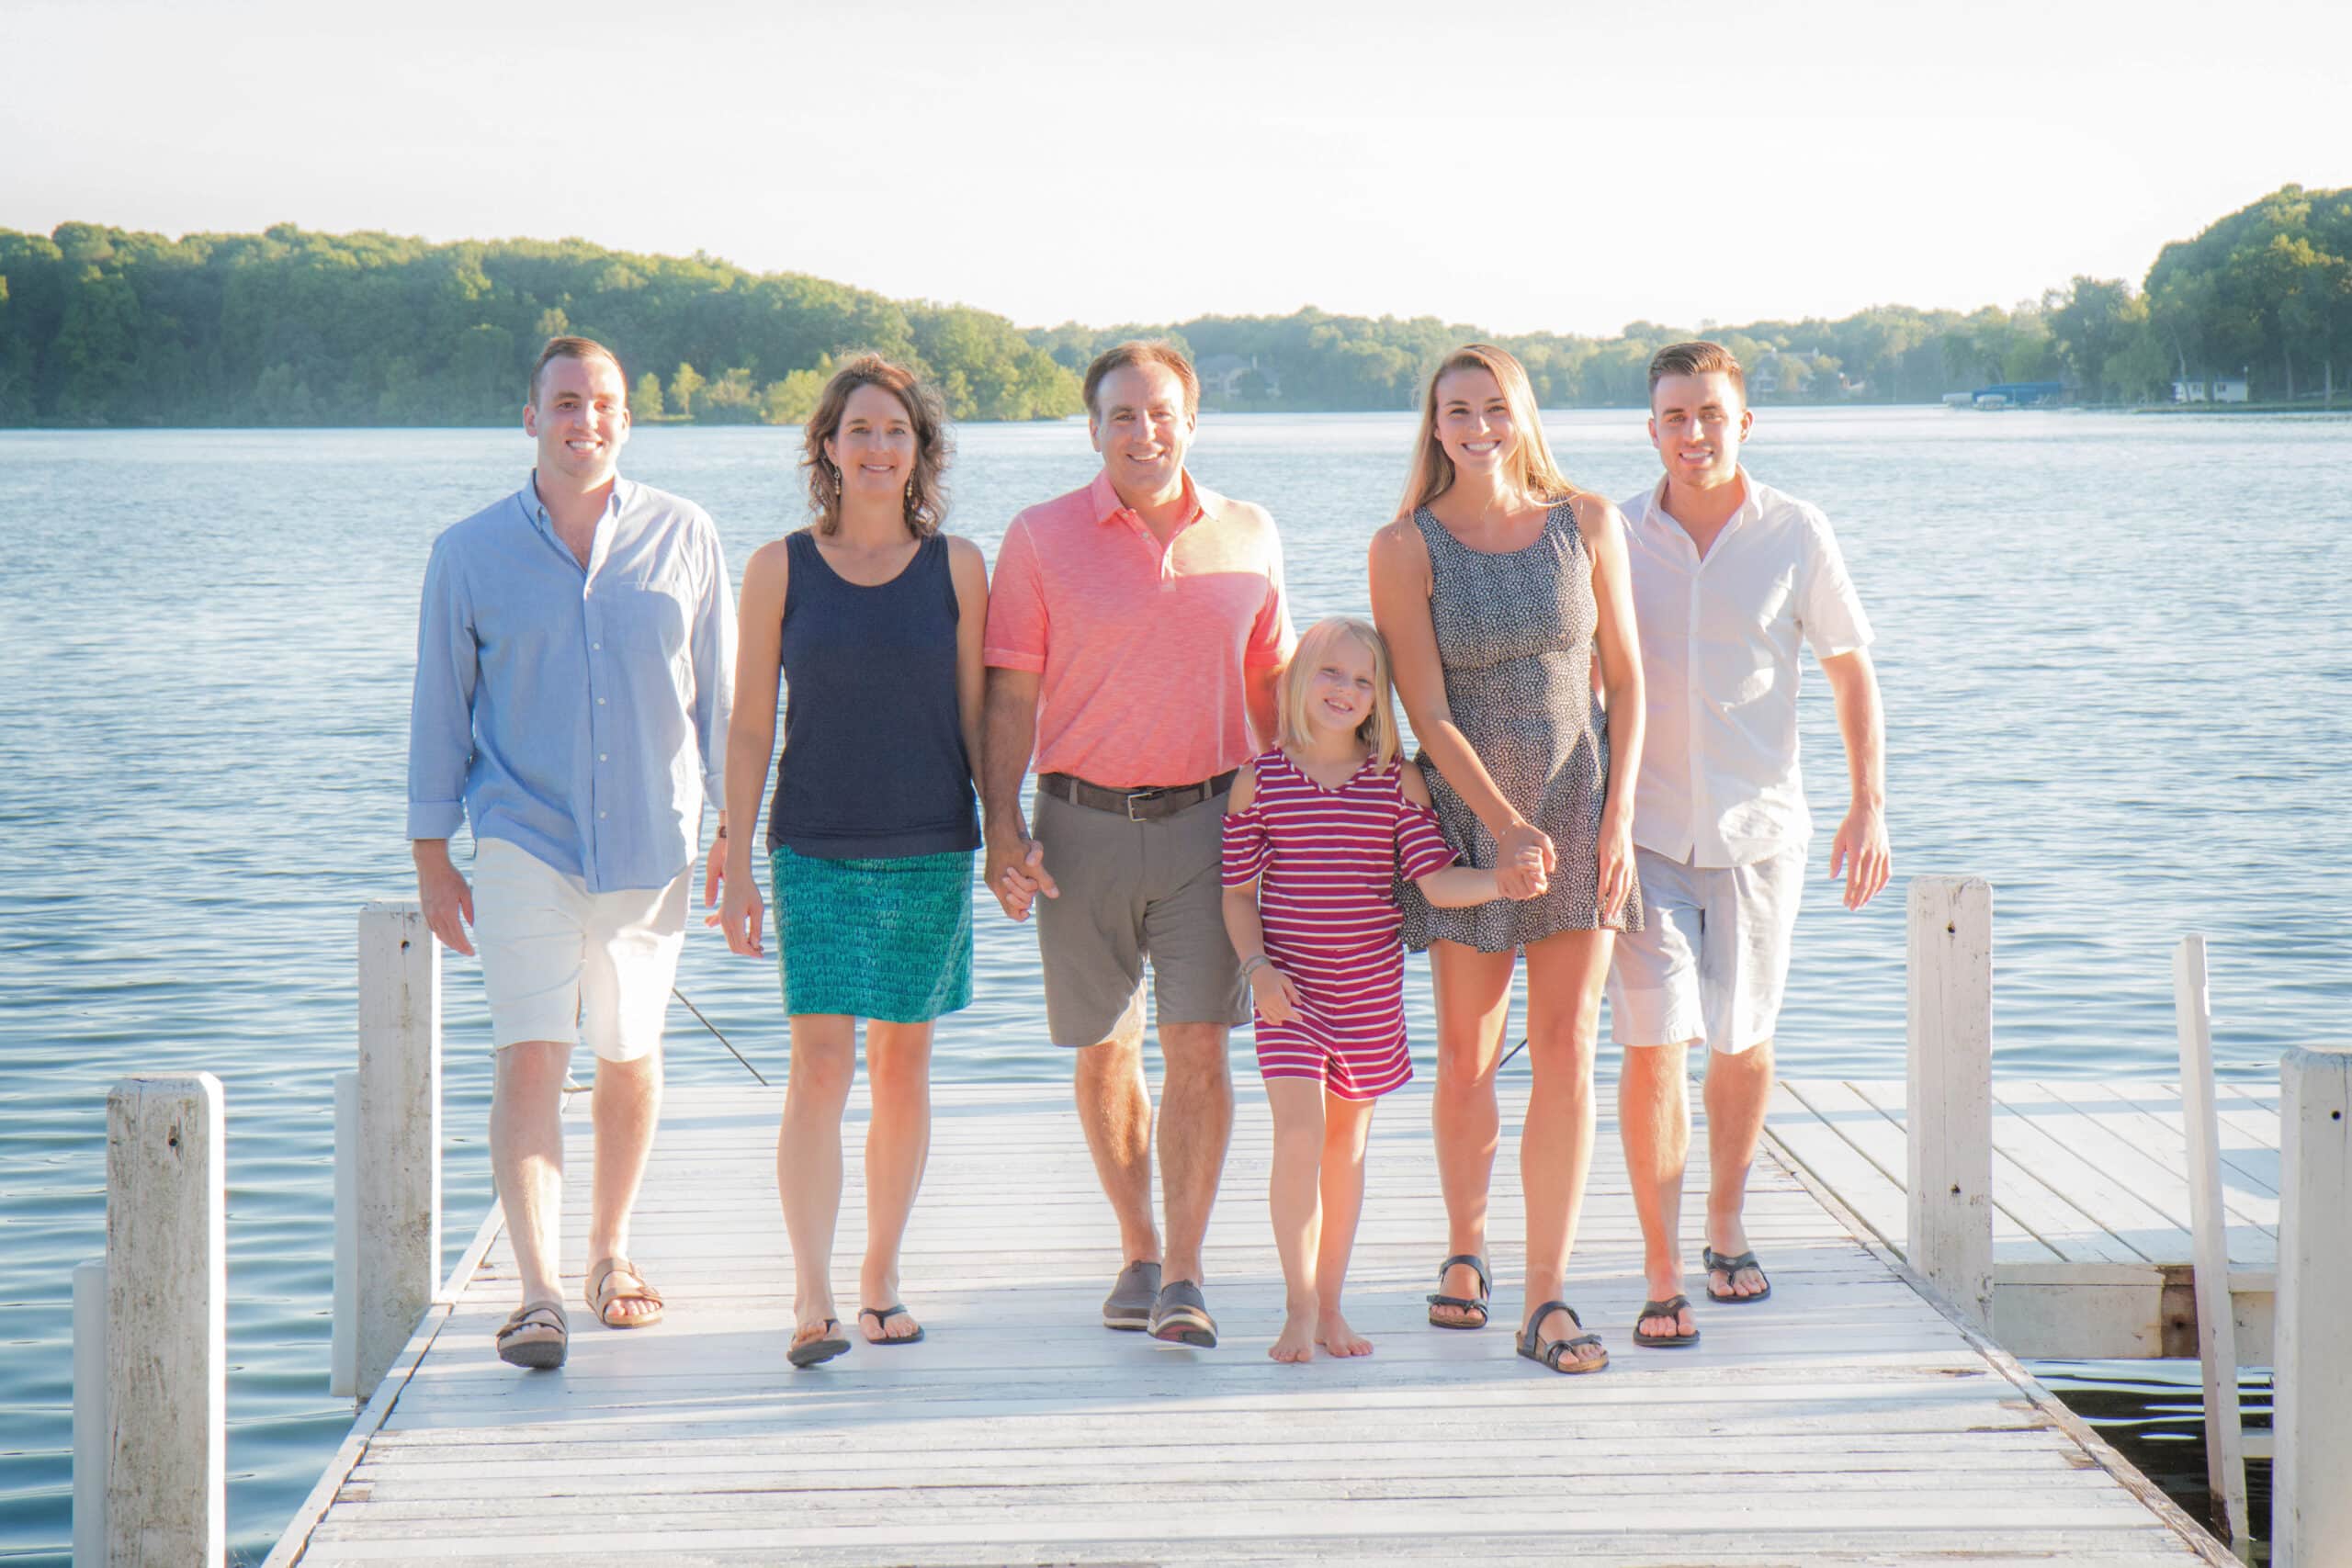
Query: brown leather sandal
point(603, 1294)
point(536, 1334)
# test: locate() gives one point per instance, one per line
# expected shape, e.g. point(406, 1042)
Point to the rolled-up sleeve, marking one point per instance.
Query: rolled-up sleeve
point(1017, 622)
point(714, 661)
point(441, 705)
point(1830, 612)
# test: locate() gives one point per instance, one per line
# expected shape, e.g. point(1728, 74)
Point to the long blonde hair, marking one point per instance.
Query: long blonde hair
point(1534, 476)
point(1378, 730)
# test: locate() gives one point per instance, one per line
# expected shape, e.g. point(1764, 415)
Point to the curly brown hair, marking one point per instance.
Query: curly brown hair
point(926, 499)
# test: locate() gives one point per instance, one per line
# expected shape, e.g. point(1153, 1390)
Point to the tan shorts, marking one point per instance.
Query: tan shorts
point(565, 964)
point(1711, 958)
point(1132, 891)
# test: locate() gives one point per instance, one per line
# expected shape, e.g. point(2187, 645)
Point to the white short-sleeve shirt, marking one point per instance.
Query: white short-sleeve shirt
point(1719, 784)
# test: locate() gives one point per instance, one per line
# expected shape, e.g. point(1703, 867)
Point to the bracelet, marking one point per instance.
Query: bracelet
point(1253, 964)
point(720, 834)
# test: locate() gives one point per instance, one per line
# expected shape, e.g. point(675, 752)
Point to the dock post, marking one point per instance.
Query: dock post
point(90, 1415)
point(1949, 1192)
point(397, 1182)
point(2310, 1508)
point(343, 1351)
point(167, 1287)
point(2217, 1335)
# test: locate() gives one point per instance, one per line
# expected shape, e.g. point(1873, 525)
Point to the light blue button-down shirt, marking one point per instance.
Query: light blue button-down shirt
point(579, 714)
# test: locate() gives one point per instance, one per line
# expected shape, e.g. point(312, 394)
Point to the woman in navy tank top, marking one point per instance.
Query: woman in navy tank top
point(872, 619)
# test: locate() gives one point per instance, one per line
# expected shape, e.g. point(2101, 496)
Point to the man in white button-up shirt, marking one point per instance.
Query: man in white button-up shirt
point(1730, 577)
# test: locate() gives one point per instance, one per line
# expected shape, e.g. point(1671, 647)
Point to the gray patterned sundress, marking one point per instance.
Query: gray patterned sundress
point(1514, 632)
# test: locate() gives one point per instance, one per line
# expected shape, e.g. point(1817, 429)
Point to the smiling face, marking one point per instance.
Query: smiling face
point(874, 447)
point(1140, 427)
point(1697, 423)
point(579, 414)
point(1342, 686)
point(1473, 420)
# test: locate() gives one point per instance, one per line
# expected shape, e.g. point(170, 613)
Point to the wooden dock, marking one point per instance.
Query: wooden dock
point(2092, 1240)
point(1849, 1419)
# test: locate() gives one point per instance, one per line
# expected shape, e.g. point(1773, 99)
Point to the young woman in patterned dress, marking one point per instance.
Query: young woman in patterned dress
point(1497, 586)
point(874, 618)
point(1317, 833)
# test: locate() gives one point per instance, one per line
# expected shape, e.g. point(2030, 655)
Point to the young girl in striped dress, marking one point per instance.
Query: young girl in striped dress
point(1317, 833)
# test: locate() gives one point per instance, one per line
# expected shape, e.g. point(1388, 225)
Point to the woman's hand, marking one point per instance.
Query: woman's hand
point(1524, 861)
point(739, 915)
point(1614, 860)
point(1277, 997)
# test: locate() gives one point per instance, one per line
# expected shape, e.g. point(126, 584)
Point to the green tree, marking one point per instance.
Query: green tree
point(685, 385)
point(792, 400)
point(645, 397)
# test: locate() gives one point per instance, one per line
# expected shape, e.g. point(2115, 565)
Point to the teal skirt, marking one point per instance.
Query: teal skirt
point(887, 939)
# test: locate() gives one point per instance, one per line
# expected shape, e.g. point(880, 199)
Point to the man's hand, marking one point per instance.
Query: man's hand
point(1524, 861)
point(1277, 997)
point(447, 902)
point(1861, 855)
point(1015, 871)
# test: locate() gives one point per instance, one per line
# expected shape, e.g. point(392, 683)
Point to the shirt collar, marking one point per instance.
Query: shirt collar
point(536, 510)
point(1198, 503)
point(1654, 509)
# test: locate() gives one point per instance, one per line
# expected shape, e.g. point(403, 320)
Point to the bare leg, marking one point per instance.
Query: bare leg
point(1114, 1108)
point(1473, 1003)
point(1738, 1093)
point(1564, 975)
point(1654, 1113)
point(1195, 1125)
point(809, 1159)
point(627, 1105)
point(1294, 1197)
point(897, 1144)
point(1346, 1124)
point(527, 1158)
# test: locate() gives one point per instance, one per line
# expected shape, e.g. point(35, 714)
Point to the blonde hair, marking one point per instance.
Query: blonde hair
point(1533, 475)
point(1378, 730)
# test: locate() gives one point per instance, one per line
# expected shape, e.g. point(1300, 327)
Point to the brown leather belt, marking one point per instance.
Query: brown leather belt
point(1134, 804)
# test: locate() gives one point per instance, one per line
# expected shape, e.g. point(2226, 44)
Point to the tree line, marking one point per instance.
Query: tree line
point(102, 326)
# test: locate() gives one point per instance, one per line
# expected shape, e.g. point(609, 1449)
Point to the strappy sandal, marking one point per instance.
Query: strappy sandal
point(1670, 1307)
point(882, 1317)
point(603, 1295)
point(1461, 1303)
point(524, 1339)
point(831, 1342)
point(1731, 1267)
point(1535, 1347)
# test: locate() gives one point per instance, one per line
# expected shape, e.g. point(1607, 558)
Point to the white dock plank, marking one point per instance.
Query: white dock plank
point(1846, 1420)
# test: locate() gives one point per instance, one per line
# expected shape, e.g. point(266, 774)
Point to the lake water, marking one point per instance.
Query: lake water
point(2116, 653)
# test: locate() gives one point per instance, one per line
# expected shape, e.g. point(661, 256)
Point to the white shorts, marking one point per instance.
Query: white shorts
point(1711, 958)
point(565, 964)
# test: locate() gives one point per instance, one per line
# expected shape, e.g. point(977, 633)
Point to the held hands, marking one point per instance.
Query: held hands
point(1524, 861)
point(1277, 997)
point(1614, 862)
point(442, 893)
point(739, 916)
point(1861, 855)
point(1015, 871)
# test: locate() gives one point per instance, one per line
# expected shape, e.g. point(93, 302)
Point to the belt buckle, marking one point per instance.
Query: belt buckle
point(1136, 794)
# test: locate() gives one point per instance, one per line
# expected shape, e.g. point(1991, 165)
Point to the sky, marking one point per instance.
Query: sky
point(1511, 167)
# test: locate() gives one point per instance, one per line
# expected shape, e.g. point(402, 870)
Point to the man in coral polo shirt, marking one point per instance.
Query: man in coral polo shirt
point(1137, 632)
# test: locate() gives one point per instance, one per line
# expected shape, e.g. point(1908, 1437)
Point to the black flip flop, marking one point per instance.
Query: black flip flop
point(1461, 1303)
point(1731, 1266)
point(1667, 1308)
point(881, 1316)
point(824, 1348)
point(1535, 1347)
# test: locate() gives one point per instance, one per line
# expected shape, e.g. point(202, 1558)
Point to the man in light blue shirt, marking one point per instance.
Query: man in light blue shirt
point(574, 671)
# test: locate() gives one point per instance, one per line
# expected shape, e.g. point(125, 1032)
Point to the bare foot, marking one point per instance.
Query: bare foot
point(1334, 1335)
point(1297, 1341)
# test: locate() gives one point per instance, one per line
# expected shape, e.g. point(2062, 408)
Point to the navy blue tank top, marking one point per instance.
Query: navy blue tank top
point(873, 764)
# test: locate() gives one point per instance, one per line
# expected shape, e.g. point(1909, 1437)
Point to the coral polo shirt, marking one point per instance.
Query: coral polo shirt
point(1143, 649)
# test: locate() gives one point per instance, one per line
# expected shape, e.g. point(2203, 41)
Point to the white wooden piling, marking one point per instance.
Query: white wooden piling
point(2311, 1509)
point(343, 1347)
point(1950, 1175)
point(90, 1440)
point(2217, 1333)
point(167, 1291)
point(397, 1182)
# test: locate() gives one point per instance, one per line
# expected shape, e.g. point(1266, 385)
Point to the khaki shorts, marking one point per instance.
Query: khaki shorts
point(1711, 958)
point(564, 964)
point(1132, 891)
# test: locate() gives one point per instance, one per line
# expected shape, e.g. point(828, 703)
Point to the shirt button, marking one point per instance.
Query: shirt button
point(600, 702)
point(601, 816)
point(595, 648)
point(599, 757)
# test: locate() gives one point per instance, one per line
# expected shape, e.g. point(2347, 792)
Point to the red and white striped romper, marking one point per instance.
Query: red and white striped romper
point(1326, 863)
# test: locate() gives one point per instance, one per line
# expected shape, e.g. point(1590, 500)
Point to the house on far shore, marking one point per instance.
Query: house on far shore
point(1228, 378)
point(2212, 389)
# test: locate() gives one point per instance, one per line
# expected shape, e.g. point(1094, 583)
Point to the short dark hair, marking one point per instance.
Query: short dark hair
point(573, 348)
point(1696, 358)
point(1139, 352)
